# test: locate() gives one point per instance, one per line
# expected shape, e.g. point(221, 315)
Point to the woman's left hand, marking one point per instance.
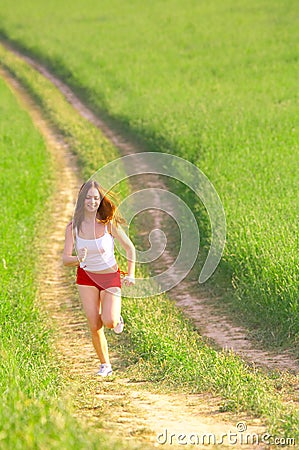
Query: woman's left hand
point(128, 281)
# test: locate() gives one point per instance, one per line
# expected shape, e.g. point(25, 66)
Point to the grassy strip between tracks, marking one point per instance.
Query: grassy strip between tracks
point(215, 83)
point(163, 342)
point(34, 413)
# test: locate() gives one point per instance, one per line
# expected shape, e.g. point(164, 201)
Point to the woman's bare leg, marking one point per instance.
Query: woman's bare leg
point(91, 304)
point(110, 306)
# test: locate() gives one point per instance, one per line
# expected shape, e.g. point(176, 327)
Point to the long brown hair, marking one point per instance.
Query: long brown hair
point(106, 211)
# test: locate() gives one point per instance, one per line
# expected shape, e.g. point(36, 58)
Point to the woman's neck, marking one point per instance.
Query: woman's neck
point(89, 217)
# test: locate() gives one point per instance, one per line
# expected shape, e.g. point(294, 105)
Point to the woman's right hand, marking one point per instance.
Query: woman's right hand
point(82, 253)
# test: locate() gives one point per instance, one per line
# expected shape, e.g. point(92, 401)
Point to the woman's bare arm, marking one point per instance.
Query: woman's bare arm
point(128, 246)
point(67, 257)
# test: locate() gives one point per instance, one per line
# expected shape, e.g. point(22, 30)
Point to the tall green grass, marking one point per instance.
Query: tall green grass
point(34, 412)
point(163, 343)
point(213, 82)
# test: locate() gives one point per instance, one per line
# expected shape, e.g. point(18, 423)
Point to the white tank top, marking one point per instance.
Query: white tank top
point(100, 252)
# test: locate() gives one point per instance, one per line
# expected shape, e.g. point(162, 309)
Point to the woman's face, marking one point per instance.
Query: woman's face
point(92, 200)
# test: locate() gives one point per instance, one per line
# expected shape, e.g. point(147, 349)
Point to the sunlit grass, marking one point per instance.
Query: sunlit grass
point(163, 344)
point(215, 83)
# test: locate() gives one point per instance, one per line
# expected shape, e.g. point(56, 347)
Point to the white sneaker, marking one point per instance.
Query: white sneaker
point(105, 370)
point(120, 326)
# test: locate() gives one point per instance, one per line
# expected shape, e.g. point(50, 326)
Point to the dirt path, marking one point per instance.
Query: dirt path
point(189, 296)
point(129, 410)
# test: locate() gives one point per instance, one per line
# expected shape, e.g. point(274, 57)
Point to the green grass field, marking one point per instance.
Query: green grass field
point(160, 345)
point(215, 83)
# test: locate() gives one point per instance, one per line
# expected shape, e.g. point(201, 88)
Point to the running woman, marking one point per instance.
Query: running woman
point(94, 227)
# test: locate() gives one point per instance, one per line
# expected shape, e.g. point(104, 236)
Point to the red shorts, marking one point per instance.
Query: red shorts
point(101, 281)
